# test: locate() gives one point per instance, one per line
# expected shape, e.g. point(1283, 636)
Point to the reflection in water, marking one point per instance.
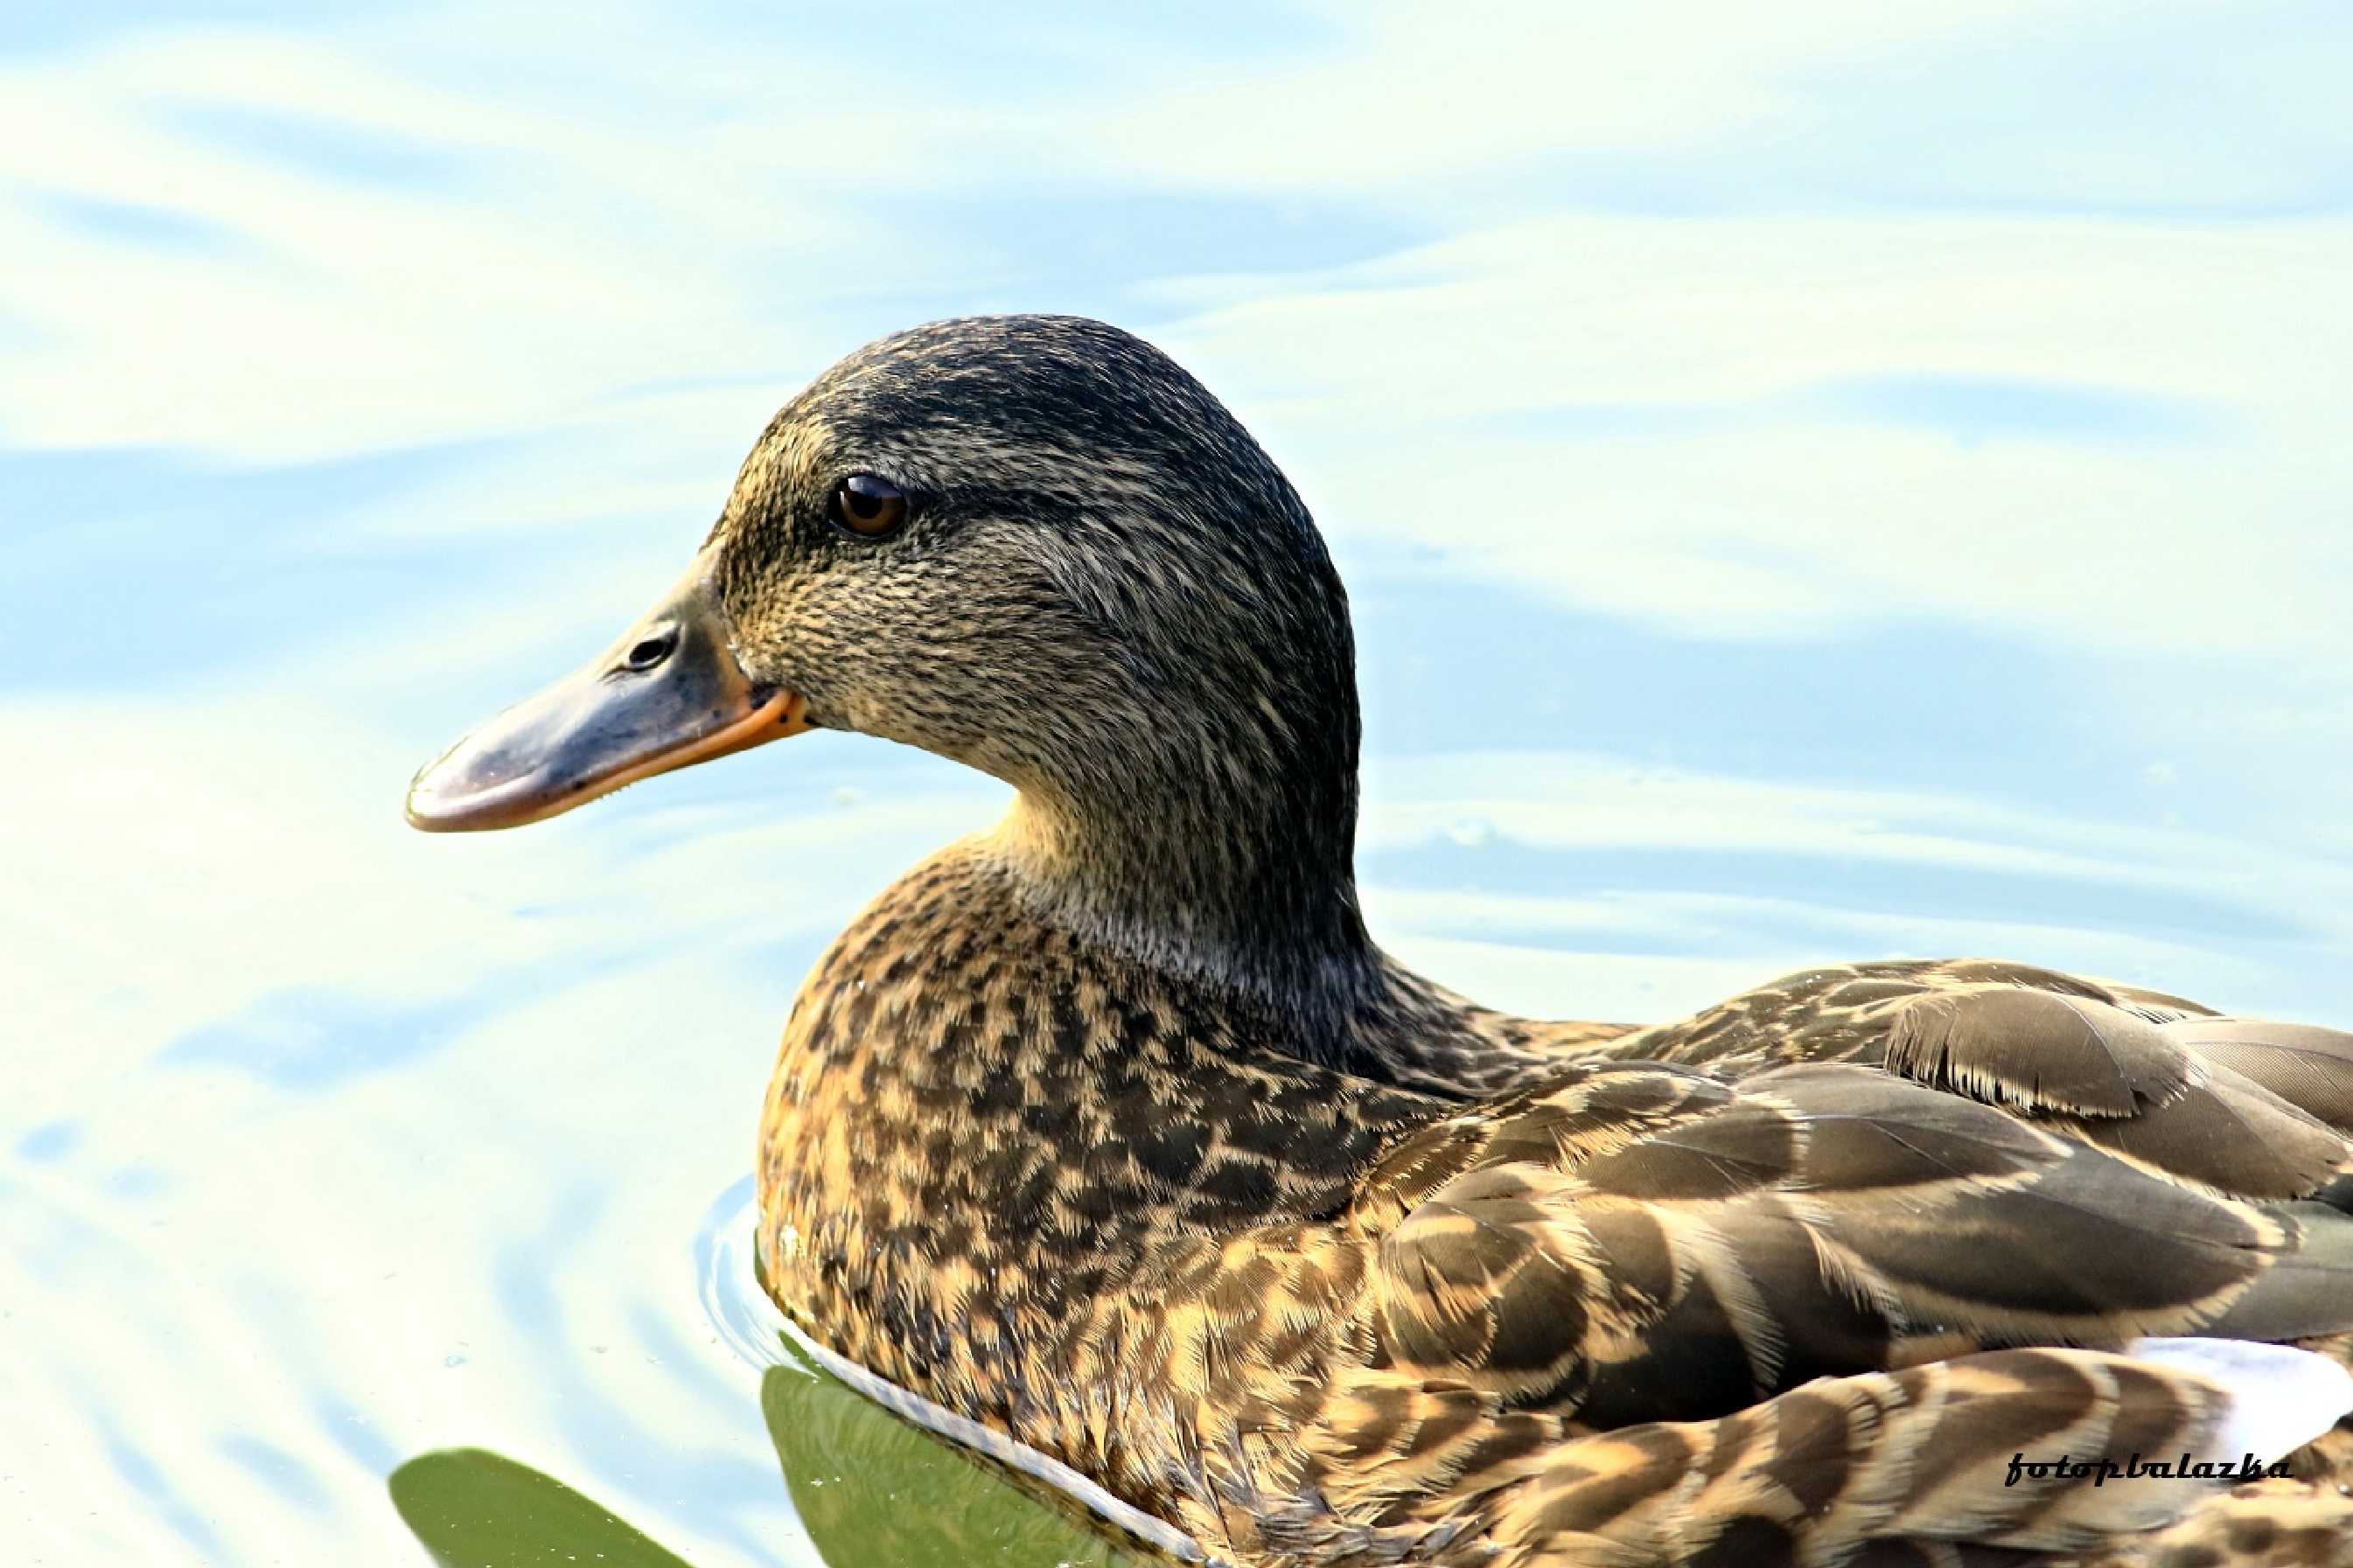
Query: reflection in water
point(875, 1492)
point(871, 1490)
point(474, 1508)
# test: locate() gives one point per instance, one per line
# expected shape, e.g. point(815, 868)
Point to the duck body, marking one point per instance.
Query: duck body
point(1359, 1311)
point(1112, 1129)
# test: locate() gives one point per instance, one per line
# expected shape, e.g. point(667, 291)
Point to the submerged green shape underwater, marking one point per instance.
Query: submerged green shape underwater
point(473, 1509)
point(875, 1492)
point(872, 1490)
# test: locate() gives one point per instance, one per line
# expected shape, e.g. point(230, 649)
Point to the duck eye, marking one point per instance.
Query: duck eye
point(651, 650)
point(867, 507)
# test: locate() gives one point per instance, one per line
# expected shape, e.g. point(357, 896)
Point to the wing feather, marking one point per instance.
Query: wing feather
point(1811, 1220)
point(1914, 1466)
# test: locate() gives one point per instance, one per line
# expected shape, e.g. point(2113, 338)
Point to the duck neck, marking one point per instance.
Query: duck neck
point(1236, 876)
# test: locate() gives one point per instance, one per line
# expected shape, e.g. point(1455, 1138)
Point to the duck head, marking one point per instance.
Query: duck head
point(1036, 546)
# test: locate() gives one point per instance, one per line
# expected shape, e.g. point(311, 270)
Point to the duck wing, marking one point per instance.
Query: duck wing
point(2238, 1106)
point(2308, 1066)
point(1841, 1012)
point(1640, 1241)
point(1915, 1468)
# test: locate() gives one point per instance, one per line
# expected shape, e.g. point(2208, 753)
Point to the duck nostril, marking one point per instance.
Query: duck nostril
point(648, 652)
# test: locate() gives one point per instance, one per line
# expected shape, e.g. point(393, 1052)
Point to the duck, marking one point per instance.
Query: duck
point(1109, 1130)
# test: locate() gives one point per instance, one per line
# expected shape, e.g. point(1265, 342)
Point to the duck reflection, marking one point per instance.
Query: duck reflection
point(878, 1492)
point(873, 1491)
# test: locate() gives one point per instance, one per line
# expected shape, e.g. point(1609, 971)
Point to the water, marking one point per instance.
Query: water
point(1779, 531)
point(332, 1146)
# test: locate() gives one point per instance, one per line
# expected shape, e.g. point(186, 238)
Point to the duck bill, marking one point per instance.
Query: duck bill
point(669, 693)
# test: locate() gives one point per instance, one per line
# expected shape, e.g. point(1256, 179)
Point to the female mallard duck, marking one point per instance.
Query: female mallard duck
point(1111, 1129)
